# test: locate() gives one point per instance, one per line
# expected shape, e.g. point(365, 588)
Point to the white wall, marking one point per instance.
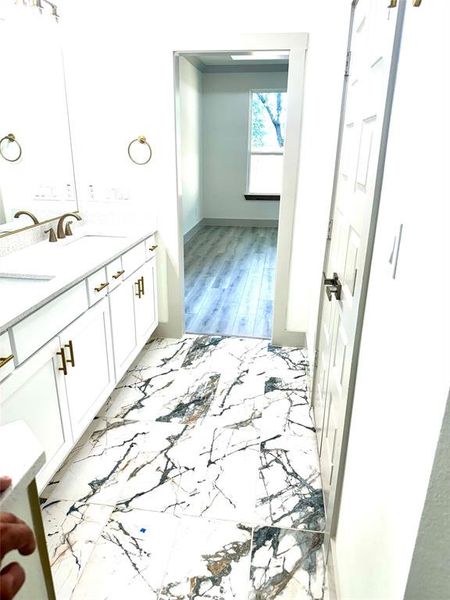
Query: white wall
point(403, 374)
point(121, 85)
point(226, 115)
point(190, 98)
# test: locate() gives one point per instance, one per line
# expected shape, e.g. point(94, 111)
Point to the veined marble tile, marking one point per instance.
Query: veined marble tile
point(133, 396)
point(96, 471)
point(162, 478)
point(211, 559)
point(289, 490)
point(130, 557)
point(285, 406)
point(163, 394)
point(71, 529)
point(190, 399)
point(226, 472)
point(277, 359)
point(237, 398)
point(222, 353)
point(160, 352)
point(287, 565)
point(200, 471)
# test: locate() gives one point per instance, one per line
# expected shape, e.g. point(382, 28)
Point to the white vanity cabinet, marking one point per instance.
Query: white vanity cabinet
point(70, 353)
point(36, 394)
point(145, 301)
point(123, 324)
point(87, 364)
point(133, 314)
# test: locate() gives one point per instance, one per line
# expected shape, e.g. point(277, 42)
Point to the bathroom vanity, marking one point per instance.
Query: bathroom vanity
point(74, 315)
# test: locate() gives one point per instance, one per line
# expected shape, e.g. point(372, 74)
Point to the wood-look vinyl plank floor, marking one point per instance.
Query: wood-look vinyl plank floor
point(230, 281)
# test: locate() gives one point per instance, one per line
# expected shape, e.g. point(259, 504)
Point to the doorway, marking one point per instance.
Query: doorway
point(237, 162)
point(233, 112)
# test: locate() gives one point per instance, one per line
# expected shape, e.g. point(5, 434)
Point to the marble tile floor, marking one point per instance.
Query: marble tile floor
point(199, 478)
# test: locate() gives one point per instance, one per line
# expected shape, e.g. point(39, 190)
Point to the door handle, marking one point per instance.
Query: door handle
point(332, 286)
point(142, 285)
point(70, 360)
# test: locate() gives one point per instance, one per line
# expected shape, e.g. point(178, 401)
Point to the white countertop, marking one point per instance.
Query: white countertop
point(31, 277)
point(21, 458)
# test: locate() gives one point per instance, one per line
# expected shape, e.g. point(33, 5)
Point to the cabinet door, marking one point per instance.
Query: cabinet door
point(121, 302)
point(90, 373)
point(35, 393)
point(145, 301)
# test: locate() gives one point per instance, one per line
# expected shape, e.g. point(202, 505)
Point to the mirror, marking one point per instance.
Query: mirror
point(36, 167)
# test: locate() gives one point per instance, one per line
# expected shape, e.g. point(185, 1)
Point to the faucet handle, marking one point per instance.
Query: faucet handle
point(68, 229)
point(52, 237)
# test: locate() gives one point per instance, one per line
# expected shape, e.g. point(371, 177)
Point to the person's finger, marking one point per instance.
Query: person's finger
point(5, 482)
point(16, 536)
point(7, 517)
point(11, 580)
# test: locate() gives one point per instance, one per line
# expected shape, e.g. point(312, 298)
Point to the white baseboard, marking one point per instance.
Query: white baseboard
point(193, 231)
point(240, 222)
point(290, 338)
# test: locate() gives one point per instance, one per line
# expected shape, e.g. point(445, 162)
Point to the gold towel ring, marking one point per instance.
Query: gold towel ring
point(142, 140)
point(11, 138)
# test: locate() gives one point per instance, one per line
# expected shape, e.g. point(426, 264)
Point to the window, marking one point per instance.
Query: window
point(266, 145)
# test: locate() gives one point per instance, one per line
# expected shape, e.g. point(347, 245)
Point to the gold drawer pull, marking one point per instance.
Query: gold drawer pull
point(4, 361)
point(64, 363)
point(101, 287)
point(118, 274)
point(70, 360)
point(142, 285)
point(153, 247)
point(138, 292)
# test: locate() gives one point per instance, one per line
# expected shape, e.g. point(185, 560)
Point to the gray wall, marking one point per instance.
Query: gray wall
point(225, 144)
point(427, 579)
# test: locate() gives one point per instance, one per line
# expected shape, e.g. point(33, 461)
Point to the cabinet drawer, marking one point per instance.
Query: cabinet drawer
point(115, 273)
point(150, 247)
point(6, 356)
point(133, 259)
point(97, 285)
point(33, 331)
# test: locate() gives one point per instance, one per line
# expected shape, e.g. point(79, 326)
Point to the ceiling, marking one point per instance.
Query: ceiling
point(221, 62)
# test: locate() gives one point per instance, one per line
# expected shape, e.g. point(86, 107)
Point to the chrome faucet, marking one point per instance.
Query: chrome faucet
point(60, 229)
point(29, 214)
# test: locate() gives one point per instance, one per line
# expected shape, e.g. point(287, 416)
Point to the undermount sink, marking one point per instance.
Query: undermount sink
point(92, 240)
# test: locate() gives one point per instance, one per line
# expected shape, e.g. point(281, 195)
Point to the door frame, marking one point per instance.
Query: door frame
point(332, 520)
point(296, 44)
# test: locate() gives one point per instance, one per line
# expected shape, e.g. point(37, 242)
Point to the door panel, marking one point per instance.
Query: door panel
point(35, 393)
point(145, 302)
point(123, 326)
point(91, 376)
point(375, 33)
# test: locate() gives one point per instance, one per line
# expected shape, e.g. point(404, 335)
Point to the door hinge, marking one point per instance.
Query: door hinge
point(330, 229)
point(316, 358)
point(347, 63)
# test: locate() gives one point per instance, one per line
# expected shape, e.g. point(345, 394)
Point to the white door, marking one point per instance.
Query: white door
point(121, 302)
point(145, 301)
point(35, 393)
point(376, 33)
point(89, 366)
